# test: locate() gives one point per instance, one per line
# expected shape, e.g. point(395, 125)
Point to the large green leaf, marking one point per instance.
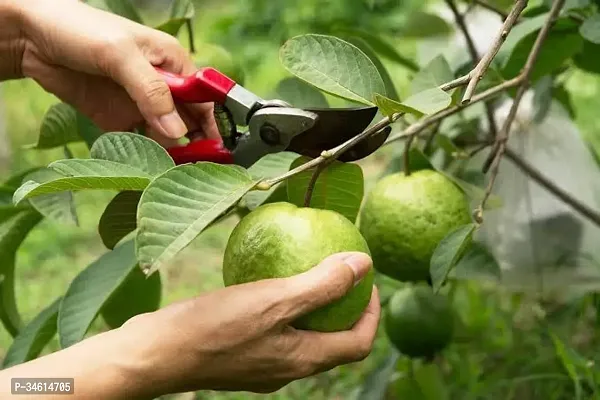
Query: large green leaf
point(30, 342)
point(124, 8)
point(180, 12)
point(448, 252)
point(434, 74)
point(181, 203)
point(477, 263)
point(334, 66)
point(138, 294)
point(340, 188)
point(269, 166)
point(59, 207)
point(119, 218)
point(13, 230)
point(134, 150)
point(520, 31)
point(590, 29)
point(58, 127)
point(300, 94)
point(90, 290)
point(86, 174)
point(379, 46)
point(390, 88)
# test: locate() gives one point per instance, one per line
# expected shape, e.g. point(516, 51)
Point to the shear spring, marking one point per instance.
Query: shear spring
point(226, 126)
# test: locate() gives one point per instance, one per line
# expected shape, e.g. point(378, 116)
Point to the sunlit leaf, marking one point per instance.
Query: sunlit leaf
point(178, 205)
point(334, 66)
point(59, 207)
point(340, 188)
point(119, 218)
point(90, 290)
point(269, 166)
point(138, 294)
point(590, 29)
point(32, 339)
point(300, 94)
point(448, 252)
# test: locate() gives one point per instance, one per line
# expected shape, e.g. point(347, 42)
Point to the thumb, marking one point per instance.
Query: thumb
point(325, 283)
point(152, 95)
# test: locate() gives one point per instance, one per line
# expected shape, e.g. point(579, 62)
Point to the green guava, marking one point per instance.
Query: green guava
point(279, 240)
point(418, 322)
point(404, 218)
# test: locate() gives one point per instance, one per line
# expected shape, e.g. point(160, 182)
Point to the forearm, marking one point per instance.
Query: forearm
point(12, 39)
point(104, 366)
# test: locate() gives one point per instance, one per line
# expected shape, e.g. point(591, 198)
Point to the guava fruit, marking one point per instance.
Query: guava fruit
point(418, 322)
point(279, 240)
point(404, 218)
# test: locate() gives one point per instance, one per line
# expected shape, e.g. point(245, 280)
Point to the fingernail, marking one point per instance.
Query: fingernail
point(360, 264)
point(172, 125)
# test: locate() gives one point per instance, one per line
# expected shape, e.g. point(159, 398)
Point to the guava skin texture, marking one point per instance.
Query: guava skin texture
point(418, 322)
point(279, 240)
point(404, 218)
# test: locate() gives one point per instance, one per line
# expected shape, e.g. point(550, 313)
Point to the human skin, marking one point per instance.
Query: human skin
point(238, 338)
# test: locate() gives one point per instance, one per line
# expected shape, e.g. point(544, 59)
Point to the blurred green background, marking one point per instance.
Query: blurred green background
point(503, 351)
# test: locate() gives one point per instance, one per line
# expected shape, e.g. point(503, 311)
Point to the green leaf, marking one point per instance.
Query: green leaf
point(124, 8)
point(380, 46)
point(80, 174)
point(542, 97)
point(181, 11)
point(300, 94)
point(269, 166)
point(447, 145)
point(119, 218)
point(16, 180)
point(589, 58)
point(90, 289)
point(88, 130)
point(557, 49)
point(520, 31)
point(590, 29)
point(134, 150)
point(30, 342)
point(477, 263)
point(416, 161)
point(58, 127)
point(13, 230)
point(389, 107)
point(390, 88)
point(448, 252)
point(421, 24)
point(473, 192)
point(178, 205)
point(568, 364)
point(434, 74)
point(59, 207)
point(138, 294)
point(340, 188)
point(427, 102)
point(334, 66)
point(376, 383)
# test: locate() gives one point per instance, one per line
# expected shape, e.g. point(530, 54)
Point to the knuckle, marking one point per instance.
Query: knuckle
point(155, 90)
point(109, 52)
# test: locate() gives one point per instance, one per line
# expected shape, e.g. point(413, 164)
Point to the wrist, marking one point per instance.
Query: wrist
point(12, 39)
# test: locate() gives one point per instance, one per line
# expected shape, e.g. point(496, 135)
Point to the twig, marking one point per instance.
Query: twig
point(312, 183)
point(562, 194)
point(500, 146)
point(490, 7)
point(483, 64)
point(407, 147)
point(474, 56)
point(478, 149)
point(463, 80)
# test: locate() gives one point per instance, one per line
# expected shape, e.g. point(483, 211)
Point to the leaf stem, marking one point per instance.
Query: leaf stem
point(190, 32)
point(524, 80)
point(313, 181)
point(483, 64)
point(407, 147)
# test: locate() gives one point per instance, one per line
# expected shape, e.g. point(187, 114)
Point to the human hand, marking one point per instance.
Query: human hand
point(239, 338)
point(103, 65)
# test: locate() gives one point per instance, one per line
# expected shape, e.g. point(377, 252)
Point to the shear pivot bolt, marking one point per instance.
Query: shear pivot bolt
point(270, 135)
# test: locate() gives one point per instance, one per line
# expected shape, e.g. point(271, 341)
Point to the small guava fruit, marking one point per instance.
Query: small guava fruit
point(279, 240)
point(405, 217)
point(138, 294)
point(419, 322)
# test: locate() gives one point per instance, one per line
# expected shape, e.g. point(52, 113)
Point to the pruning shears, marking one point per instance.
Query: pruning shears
point(272, 125)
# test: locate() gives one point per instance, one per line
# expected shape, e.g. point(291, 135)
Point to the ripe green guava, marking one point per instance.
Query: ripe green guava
point(418, 322)
point(405, 217)
point(279, 240)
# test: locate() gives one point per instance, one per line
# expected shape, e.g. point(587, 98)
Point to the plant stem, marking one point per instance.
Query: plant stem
point(483, 65)
point(474, 56)
point(407, 147)
point(313, 181)
point(502, 138)
point(546, 183)
point(190, 32)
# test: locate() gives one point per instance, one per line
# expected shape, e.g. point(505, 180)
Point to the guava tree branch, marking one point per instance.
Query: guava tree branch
point(460, 21)
point(483, 64)
point(552, 187)
point(502, 138)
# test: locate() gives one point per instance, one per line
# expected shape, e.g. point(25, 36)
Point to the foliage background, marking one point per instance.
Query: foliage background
point(504, 351)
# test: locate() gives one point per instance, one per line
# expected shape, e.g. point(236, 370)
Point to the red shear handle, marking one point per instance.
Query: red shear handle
point(207, 85)
point(201, 150)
